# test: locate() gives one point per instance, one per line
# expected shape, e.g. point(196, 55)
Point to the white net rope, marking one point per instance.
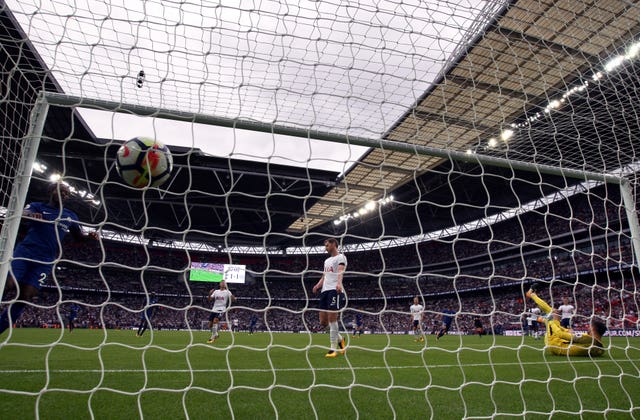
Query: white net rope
point(541, 83)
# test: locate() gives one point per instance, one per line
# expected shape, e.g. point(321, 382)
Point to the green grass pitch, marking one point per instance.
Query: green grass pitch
point(52, 374)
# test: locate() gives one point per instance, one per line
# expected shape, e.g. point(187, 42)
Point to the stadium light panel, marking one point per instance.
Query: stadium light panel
point(39, 167)
point(614, 63)
point(633, 51)
point(506, 134)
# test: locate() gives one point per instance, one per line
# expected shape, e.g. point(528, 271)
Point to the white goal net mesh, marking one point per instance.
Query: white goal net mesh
point(459, 152)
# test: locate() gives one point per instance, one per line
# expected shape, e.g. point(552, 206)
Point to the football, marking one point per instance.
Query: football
point(144, 162)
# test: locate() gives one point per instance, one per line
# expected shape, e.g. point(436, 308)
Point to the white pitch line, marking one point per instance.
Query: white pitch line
point(308, 368)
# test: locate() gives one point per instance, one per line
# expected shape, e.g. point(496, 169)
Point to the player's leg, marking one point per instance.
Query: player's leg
point(335, 339)
point(341, 303)
point(544, 306)
point(70, 324)
point(144, 325)
point(214, 322)
point(334, 302)
point(422, 334)
point(27, 277)
point(416, 330)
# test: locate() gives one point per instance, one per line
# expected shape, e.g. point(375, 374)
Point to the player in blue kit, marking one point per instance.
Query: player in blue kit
point(145, 316)
point(447, 319)
point(358, 325)
point(33, 258)
point(252, 323)
point(73, 315)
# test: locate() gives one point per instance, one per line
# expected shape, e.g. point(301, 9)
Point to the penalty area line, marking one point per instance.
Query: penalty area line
point(337, 368)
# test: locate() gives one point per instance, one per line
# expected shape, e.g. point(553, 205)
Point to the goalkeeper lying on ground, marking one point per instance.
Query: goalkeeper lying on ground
point(562, 341)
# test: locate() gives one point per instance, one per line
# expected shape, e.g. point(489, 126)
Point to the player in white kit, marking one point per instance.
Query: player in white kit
point(221, 298)
point(566, 313)
point(417, 314)
point(332, 297)
point(533, 322)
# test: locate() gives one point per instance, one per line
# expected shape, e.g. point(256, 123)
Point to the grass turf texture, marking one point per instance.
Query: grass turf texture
point(54, 374)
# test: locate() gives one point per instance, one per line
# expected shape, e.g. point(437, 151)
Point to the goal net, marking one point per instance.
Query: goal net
point(460, 153)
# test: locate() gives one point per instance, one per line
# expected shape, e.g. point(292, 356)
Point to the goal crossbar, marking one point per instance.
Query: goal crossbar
point(112, 106)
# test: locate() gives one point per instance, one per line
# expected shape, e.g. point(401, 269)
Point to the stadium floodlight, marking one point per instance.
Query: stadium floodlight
point(505, 135)
point(614, 63)
point(39, 167)
point(632, 51)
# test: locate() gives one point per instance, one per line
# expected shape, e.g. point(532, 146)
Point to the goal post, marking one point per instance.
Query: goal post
point(20, 186)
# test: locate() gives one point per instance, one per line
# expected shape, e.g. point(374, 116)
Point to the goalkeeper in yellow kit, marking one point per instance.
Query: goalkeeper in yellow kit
point(563, 341)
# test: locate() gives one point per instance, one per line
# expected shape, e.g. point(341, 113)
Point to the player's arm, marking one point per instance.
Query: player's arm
point(319, 284)
point(341, 268)
point(232, 298)
point(210, 295)
point(79, 236)
point(563, 333)
point(32, 211)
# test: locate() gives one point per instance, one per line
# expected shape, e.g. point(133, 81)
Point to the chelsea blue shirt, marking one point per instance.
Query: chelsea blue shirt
point(41, 242)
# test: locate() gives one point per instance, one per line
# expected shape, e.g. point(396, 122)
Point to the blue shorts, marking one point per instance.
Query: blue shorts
point(565, 322)
point(416, 322)
point(30, 272)
point(330, 300)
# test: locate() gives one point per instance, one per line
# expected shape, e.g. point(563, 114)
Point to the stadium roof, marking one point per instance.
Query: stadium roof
point(511, 68)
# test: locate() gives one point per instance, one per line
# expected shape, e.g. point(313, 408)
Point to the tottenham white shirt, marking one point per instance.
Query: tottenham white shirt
point(221, 300)
point(566, 311)
point(416, 311)
point(331, 265)
point(533, 315)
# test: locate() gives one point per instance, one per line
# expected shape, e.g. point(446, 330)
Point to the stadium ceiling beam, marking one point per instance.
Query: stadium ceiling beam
point(453, 120)
point(386, 167)
point(465, 82)
point(354, 186)
point(553, 46)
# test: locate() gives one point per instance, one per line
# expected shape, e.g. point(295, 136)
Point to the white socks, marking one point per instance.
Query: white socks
point(334, 335)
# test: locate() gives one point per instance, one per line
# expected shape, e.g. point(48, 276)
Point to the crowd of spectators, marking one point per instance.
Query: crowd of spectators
point(480, 273)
